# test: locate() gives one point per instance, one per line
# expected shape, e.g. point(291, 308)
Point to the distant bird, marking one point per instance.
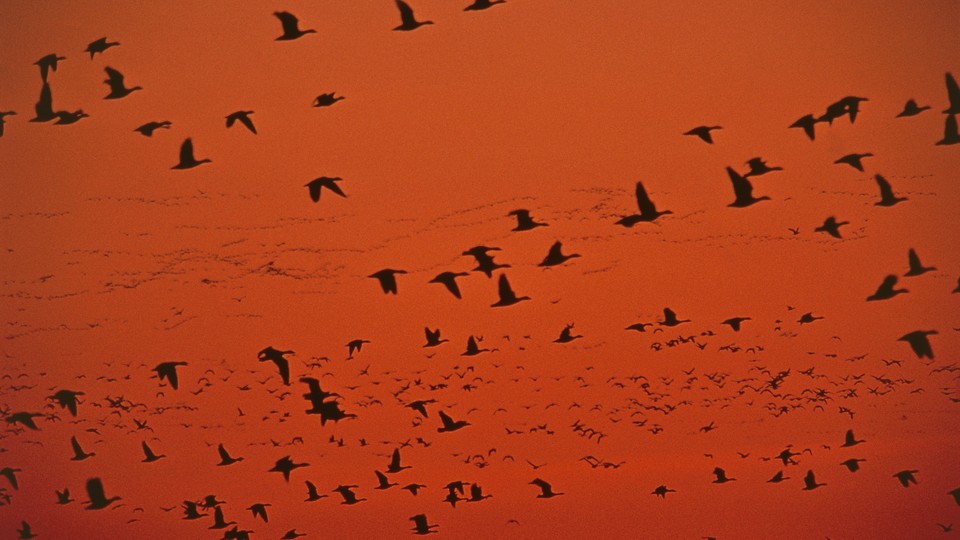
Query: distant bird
point(777, 478)
point(383, 482)
point(849, 440)
point(147, 129)
point(555, 256)
point(285, 466)
point(420, 525)
point(945, 528)
point(260, 510)
point(831, 226)
point(244, 118)
point(3, 116)
point(269, 354)
point(853, 464)
point(433, 337)
point(449, 280)
point(449, 424)
point(953, 95)
point(807, 123)
point(354, 346)
point(99, 46)
point(721, 476)
point(168, 371)
point(25, 531)
point(886, 289)
point(849, 106)
point(546, 490)
point(11, 475)
point(906, 477)
point(326, 100)
point(44, 106)
point(951, 135)
point(476, 493)
point(63, 497)
point(809, 482)
point(743, 191)
point(670, 318)
point(413, 488)
point(48, 63)
point(639, 327)
point(291, 535)
point(312, 493)
point(919, 342)
point(703, 132)
point(291, 26)
point(524, 221)
point(115, 81)
point(67, 117)
point(507, 296)
point(25, 419)
point(98, 500)
point(408, 22)
point(225, 457)
point(478, 5)
point(887, 198)
point(388, 279)
point(854, 160)
point(187, 161)
point(149, 455)
point(808, 318)
point(566, 335)
point(661, 491)
point(759, 167)
point(916, 267)
point(735, 322)
point(67, 399)
point(78, 453)
point(472, 348)
point(394, 465)
point(315, 185)
point(911, 108)
point(648, 211)
point(349, 497)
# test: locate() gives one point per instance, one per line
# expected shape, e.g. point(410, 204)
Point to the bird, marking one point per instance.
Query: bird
point(639, 327)
point(951, 135)
point(478, 5)
point(919, 342)
point(24, 418)
point(853, 464)
point(735, 322)
point(507, 296)
point(408, 22)
point(269, 354)
point(956, 495)
point(854, 160)
point(831, 226)
point(849, 440)
point(670, 318)
point(703, 132)
point(394, 466)
point(25, 531)
point(388, 279)
point(147, 129)
point(3, 121)
point(648, 211)
point(244, 118)
point(420, 525)
point(44, 106)
point(413, 488)
point(945, 528)
point(99, 46)
point(476, 493)
point(312, 493)
point(260, 510)
point(916, 268)
point(115, 81)
point(349, 497)
point(48, 63)
point(285, 466)
point(721, 476)
point(887, 198)
point(67, 117)
point(910, 108)
point(808, 123)
point(906, 477)
point(661, 491)
point(743, 191)
point(149, 456)
point(546, 490)
point(809, 482)
point(218, 520)
point(326, 100)
point(291, 535)
point(759, 167)
point(566, 335)
point(777, 478)
point(886, 289)
point(355, 345)
point(555, 256)
point(67, 399)
point(449, 424)
point(524, 221)
point(225, 457)
point(472, 348)
point(315, 185)
point(957, 289)
point(291, 26)
point(78, 453)
point(168, 371)
point(187, 161)
point(98, 500)
point(449, 280)
point(63, 497)
point(11, 475)
point(849, 105)
point(433, 337)
point(953, 95)
point(383, 481)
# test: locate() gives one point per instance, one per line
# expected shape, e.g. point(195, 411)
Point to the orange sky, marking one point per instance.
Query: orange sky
point(113, 263)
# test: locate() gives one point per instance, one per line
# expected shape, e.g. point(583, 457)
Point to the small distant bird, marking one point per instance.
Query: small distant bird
point(244, 118)
point(285, 466)
point(260, 510)
point(953, 95)
point(916, 267)
point(63, 497)
point(99, 46)
point(919, 342)
point(187, 161)
point(945, 528)
point(420, 525)
point(887, 198)
point(478, 5)
point(225, 457)
point(98, 500)
point(149, 455)
point(147, 129)
point(433, 337)
point(661, 491)
point(703, 132)
point(566, 335)
point(777, 478)
point(449, 424)
point(670, 318)
point(807, 123)
point(524, 221)
point(956, 495)
point(911, 108)
point(291, 26)
point(472, 348)
point(388, 279)
point(115, 81)
point(639, 327)
point(507, 296)
point(555, 256)
point(67, 399)
point(721, 476)
point(449, 280)
point(809, 482)
point(326, 100)
point(394, 465)
point(408, 22)
point(648, 210)
point(849, 440)
point(853, 464)
point(354, 346)
point(831, 226)
point(48, 63)
point(546, 490)
point(759, 167)
point(906, 477)
point(413, 488)
point(886, 289)
point(312, 493)
point(291, 535)
point(951, 135)
point(735, 322)
point(349, 497)
point(383, 482)
point(317, 184)
point(25, 531)
point(743, 190)
point(853, 160)
point(808, 318)
point(168, 371)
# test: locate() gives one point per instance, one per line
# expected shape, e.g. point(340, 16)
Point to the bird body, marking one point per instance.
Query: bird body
point(407, 20)
point(507, 296)
point(291, 26)
point(117, 88)
point(743, 191)
point(648, 211)
point(187, 159)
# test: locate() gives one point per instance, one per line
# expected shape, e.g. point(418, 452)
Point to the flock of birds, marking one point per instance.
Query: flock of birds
point(647, 400)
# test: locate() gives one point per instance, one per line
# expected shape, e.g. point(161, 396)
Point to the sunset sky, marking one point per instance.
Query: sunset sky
point(114, 263)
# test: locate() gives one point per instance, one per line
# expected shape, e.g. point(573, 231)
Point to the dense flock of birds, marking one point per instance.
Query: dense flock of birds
point(431, 395)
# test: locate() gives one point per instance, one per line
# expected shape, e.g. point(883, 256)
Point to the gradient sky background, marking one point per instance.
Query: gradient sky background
point(113, 263)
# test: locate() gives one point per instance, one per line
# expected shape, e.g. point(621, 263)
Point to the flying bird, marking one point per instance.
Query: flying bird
point(226, 458)
point(887, 198)
point(388, 279)
point(854, 160)
point(735, 322)
point(449, 280)
point(807, 123)
point(953, 95)
point(831, 226)
point(916, 268)
point(3, 121)
point(479, 5)
point(759, 167)
point(168, 371)
point(44, 106)
point(449, 424)
point(244, 118)
point(147, 129)
point(330, 183)
point(919, 342)
point(555, 256)
point(524, 221)
point(433, 337)
point(886, 289)
point(98, 500)
point(99, 46)
point(149, 455)
point(906, 477)
point(408, 22)
point(285, 466)
point(420, 525)
point(951, 134)
point(117, 88)
point(648, 211)
point(291, 26)
point(326, 100)
point(703, 132)
point(743, 190)
point(269, 354)
point(849, 440)
point(187, 160)
point(853, 464)
point(910, 108)
point(670, 318)
point(48, 63)
point(810, 483)
point(507, 296)
point(546, 490)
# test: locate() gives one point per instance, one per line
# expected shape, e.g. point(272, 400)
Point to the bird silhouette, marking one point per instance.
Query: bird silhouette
point(721, 476)
point(849, 106)
point(117, 88)
point(394, 466)
point(759, 167)
point(269, 354)
point(808, 124)
point(809, 482)
point(546, 490)
point(648, 211)
point(661, 491)
point(78, 453)
point(886, 289)
point(291, 26)
point(48, 63)
point(479, 5)
point(67, 399)
point(187, 160)
point(260, 510)
point(670, 318)
point(507, 296)
point(449, 280)
point(743, 191)
point(777, 478)
point(916, 268)
point(349, 497)
point(354, 346)
point(420, 525)
point(853, 464)
point(383, 482)
point(854, 160)
point(388, 279)
point(408, 21)
point(906, 477)
point(285, 466)
point(149, 456)
point(524, 221)
point(11, 475)
point(808, 318)
point(326, 100)
point(147, 129)
point(218, 520)
point(849, 440)
point(555, 256)
point(244, 118)
point(98, 500)
point(68, 117)
point(919, 342)
point(735, 322)
point(449, 424)
point(168, 371)
point(887, 198)
point(433, 337)
point(63, 497)
point(566, 335)
point(225, 457)
point(3, 121)
point(703, 132)
point(951, 134)
point(953, 95)
point(956, 495)
point(472, 348)
point(44, 106)
point(25, 419)
point(25, 531)
point(315, 185)
point(831, 226)
point(910, 108)
point(99, 46)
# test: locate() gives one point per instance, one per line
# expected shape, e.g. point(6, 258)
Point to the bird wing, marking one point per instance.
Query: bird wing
point(395, 460)
point(406, 13)
point(314, 188)
point(115, 78)
point(186, 151)
point(506, 293)
point(953, 93)
point(741, 186)
point(224, 456)
point(950, 127)
point(95, 490)
point(288, 21)
point(245, 120)
point(447, 421)
point(644, 203)
point(331, 184)
point(44, 107)
point(76, 446)
point(886, 192)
